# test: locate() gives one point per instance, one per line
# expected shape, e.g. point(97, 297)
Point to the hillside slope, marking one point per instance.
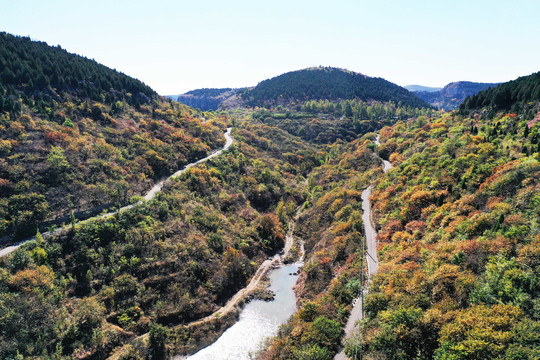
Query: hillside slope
point(458, 234)
point(458, 242)
point(83, 139)
point(155, 267)
point(36, 70)
point(518, 95)
point(328, 83)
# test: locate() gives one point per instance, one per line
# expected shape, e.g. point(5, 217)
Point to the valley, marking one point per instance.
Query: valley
point(154, 229)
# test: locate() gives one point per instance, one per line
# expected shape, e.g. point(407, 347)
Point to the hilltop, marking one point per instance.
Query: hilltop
point(33, 69)
point(321, 83)
point(330, 83)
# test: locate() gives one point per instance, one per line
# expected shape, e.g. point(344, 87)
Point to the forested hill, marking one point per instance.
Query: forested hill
point(513, 95)
point(35, 69)
point(78, 137)
point(328, 83)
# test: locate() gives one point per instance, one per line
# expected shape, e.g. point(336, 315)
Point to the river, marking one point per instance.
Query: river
point(258, 320)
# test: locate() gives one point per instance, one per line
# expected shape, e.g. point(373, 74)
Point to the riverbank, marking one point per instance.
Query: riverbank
point(214, 325)
point(258, 320)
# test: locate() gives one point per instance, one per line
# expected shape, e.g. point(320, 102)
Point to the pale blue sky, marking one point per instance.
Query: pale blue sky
point(176, 46)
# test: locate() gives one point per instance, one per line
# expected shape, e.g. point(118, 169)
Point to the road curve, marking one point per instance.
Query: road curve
point(371, 255)
point(149, 196)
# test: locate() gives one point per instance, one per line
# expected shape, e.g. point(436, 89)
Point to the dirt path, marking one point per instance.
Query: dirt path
point(263, 269)
point(149, 196)
point(372, 259)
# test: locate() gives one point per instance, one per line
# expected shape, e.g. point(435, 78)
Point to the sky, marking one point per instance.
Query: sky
point(177, 46)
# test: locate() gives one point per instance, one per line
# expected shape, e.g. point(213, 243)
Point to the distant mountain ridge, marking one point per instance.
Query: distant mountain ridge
point(453, 94)
point(207, 98)
point(414, 88)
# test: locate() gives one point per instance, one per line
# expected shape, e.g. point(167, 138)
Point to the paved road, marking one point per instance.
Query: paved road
point(371, 255)
point(149, 196)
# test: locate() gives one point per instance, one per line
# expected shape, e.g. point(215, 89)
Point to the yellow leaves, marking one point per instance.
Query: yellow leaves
point(30, 280)
point(529, 254)
point(443, 280)
point(401, 236)
point(418, 283)
point(27, 121)
point(421, 198)
point(341, 228)
point(478, 223)
point(411, 170)
point(477, 139)
point(485, 149)
point(438, 129)
point(481, 324)
point(5, 146)
point(428, 211)
point(89, 312)
point(396, 159)
point(39, 254)
point(336, 205)
point(439, 125)
point(344, 213)
point(397, 278)
point(16, 128)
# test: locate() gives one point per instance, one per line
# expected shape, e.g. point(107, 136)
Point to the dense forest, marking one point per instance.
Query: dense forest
point(88, 159)
point(41, 73)
point(328, 83)
point(332, 229)
point(515, 96)
point(324, 122)
point(458, 244)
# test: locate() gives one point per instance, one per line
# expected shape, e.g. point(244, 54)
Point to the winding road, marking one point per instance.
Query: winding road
point(371, 255)
point(149, 196)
